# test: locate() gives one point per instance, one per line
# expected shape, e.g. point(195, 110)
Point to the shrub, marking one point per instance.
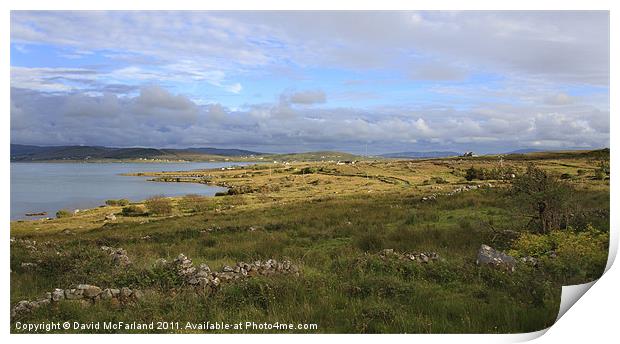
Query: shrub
point(499, 173)
point(546, 196)
point(581, 255)
point(195, 203)
point(308, 170)
point(439, 180)
point(134, 210)
point(602, 171)
point(159, 205)
point(117, 202)
point(63, 213)
point(474, 173)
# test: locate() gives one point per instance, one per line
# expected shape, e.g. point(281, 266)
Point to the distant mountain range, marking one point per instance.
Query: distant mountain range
point(41, 153)
point(526, 150)
point(421, 155)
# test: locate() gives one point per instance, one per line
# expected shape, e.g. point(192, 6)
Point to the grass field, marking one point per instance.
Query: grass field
point(333, 221)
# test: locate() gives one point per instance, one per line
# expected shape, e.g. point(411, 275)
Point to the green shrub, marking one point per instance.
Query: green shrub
point(117, 202)
point(579, 256)
point(63, 213)
point(195, 203)
point(159, 205)
point(134, 210)
point(308, 170)
point(439, 180)
point(548, 199)
point(602, 171)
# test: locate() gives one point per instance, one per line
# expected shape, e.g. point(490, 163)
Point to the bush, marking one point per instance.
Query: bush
point(308, 170)
point(194, 203)
point(602, 171)
point(439, 180)
point(159, 205)
point(549, 199)
point(581, 255)
point(499, 173)
point(63, 213)
point(117, 202)
point(134, 210)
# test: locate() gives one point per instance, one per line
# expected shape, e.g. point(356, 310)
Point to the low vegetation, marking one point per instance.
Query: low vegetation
point(117, 202)
point(63, 213)
point(159, 205)
point(334, 224)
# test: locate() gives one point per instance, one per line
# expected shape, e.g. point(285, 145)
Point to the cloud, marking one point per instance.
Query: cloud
point(550, 45)
point(437, 72)
point(434, 80)
point(560, 99)
point(306, 97)
point(159, 118)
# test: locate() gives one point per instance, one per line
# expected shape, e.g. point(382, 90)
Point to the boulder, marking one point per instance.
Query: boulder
point(73, 294)
point(110, 217)
point(496, 259)
point(89, 291)
point(58, 294)
point(125, 292)
point(137, 294)
point(106, 294)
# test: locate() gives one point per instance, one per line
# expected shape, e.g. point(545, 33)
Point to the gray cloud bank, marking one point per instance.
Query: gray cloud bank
point(157, 118)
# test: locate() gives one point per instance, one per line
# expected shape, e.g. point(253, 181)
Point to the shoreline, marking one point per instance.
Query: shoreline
point(50, 213)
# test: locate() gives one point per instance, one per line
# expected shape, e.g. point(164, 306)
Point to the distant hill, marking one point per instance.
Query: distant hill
point(526, 150)
point(42, 153)
point(421, 155)
point(222, 151)
point(315, 156)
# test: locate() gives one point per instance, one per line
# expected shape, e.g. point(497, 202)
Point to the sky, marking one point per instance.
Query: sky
point(363, 81)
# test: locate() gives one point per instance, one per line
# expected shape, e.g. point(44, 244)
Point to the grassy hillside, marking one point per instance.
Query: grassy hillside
point(95, 153)
point(333, 222)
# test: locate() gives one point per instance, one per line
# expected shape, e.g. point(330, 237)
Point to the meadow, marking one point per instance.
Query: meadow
point(334, 220)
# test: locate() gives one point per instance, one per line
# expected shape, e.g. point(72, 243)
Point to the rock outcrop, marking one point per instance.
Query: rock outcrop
point(496, 259)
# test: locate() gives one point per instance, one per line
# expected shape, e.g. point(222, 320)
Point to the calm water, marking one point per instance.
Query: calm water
point(38, 187)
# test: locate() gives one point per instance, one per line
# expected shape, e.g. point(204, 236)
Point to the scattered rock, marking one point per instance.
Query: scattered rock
point(29, 265)
point(530, 260)
point(74, 294)
point(455, 191)
point(84, 293)
point(421, 257)
point(89, 291)
point(119, 255)
point(204, 277)
point(110, 217)
point(58, 294)
point(496, 259)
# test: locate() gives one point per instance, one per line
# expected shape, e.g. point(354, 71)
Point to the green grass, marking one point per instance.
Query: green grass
point(344, 286)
